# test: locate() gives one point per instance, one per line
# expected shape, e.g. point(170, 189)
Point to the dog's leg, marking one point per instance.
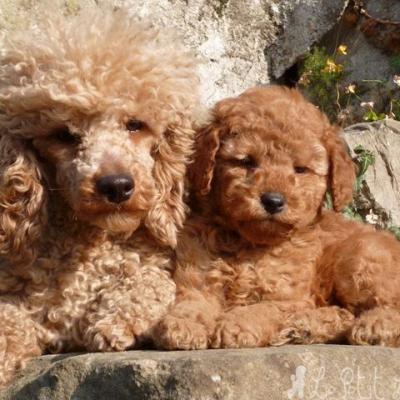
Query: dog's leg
point(18, 341)
point(320, 325)
point(254, 325)
point(366, 275)
point(189, 324)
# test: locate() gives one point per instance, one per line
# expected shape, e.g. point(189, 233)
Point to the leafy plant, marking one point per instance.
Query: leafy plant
point(395, 109)
point(322, 78)
point(395, 230)
point(364, 159)
point(371, 116)
point(320, 74)
point(395, 63)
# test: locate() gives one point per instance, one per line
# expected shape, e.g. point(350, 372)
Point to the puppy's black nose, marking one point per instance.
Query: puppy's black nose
point(273, 202)
point(116, 188)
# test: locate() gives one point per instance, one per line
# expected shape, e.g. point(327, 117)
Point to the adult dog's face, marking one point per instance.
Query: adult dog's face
point(103, 167)
point(107, 107)
point(274, 155)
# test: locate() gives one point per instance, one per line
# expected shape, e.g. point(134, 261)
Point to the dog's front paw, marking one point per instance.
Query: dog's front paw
point(174, 333)
point(296, 333)
point(109, 337)
point(231, 333)
point(376, 328)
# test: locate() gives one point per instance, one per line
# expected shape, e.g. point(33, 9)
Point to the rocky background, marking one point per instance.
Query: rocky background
point(345, 56)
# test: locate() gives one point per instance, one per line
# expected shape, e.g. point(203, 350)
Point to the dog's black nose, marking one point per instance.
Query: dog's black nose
point(273, 202)
point(116, 188)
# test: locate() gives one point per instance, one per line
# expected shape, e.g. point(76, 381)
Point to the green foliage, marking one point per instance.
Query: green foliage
point(364, 159)
point(395, 63)
point(320, 74)
point(395, 105)
point(322, 77)
point(395, 230)
point(372, 116)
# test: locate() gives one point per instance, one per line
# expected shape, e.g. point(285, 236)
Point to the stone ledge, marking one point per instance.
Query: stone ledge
point(291, 372)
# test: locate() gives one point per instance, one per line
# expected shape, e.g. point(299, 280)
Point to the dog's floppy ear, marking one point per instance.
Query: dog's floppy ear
point(22, 201)
point(202, 170)
point(167, 215)
point(341, 169)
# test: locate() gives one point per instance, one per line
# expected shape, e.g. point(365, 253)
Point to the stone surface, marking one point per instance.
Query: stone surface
point(381, 192)
point(241, 42)
point(289, 372)
point(371, 43)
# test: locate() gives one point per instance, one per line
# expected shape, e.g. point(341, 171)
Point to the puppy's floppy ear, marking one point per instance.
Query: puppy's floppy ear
point(22, 201)
point(167, 215)
point(341, 169)
point(202, 170)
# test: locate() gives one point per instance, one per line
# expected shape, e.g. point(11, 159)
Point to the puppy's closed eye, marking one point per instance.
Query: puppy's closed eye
point(300, 169)
point(247, 162)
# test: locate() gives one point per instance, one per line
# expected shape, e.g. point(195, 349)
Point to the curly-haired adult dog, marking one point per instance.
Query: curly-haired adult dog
point(95, 133)
point(260, 262)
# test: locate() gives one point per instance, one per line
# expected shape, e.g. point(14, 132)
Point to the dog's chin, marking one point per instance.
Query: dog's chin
point(117, 222)
point(264, 232)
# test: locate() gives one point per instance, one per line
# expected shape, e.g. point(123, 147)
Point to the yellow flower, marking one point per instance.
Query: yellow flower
point(351, 89)
point(304, 79)
point(332, 67)
point(342, 49)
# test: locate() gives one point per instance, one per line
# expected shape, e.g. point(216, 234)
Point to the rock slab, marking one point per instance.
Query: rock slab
point(290, 372)
point(241, 42)
point(381, 191)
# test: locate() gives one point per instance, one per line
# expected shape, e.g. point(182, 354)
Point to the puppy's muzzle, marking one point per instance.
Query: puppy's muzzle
point(116, 188)
point(273, 202)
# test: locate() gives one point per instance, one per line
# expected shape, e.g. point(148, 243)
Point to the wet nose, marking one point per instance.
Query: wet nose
point(273, 202)
point(116, 188)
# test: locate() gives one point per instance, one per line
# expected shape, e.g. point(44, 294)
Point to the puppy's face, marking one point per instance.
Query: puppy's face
point(273, 156)
point(268, 183)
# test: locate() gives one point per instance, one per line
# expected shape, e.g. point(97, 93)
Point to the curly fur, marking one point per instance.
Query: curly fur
point(80, 272)
point(247, 277)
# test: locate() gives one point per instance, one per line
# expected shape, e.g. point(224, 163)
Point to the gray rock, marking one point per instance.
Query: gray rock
point(371, 44)
point(381, 190)
point(241, 42)
point(369, 56)
point(303, 24)
point(290, 372)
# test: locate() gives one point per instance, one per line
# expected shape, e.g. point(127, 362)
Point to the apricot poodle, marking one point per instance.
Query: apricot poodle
point(95, 134)
point(260, 262)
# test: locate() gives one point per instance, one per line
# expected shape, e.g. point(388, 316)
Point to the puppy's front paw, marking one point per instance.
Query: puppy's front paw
point(174, 333)
point(297, 333)
point(376, 328)
point(231, 333)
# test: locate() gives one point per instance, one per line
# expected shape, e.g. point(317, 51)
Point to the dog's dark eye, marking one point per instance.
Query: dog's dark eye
point(300, 170)
point(64, 135)
point(134, 125)
point(246, 162)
